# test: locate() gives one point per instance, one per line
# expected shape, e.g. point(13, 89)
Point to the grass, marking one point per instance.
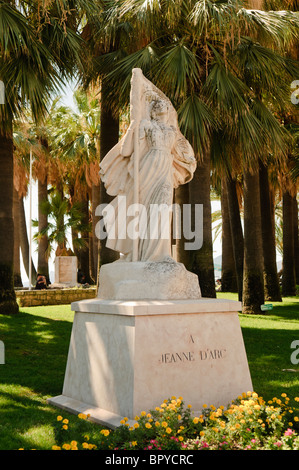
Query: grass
point(36, 346)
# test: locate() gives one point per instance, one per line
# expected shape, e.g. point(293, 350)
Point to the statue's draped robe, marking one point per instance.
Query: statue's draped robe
point(166, 161)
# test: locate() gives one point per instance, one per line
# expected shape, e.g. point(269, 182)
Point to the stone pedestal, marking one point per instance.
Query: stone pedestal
point(128, 356)
point(139, 280)
point(66, 268)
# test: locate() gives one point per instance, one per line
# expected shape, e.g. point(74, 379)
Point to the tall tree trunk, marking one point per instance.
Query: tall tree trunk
point(24, 243)
point(271, 280)
point(201, 260)
point(253, 282)
point(236, 231)
point(84, 251)
point(108, 138)
point(16, 219)
point(42, 260)
point(181, 199)
point(95, 201)
point(228, 274)
point(8, 302)
point(296, 238)
point(288, 259)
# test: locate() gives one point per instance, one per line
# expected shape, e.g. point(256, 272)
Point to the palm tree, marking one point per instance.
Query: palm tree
point(39, 46)
point(75, 143)
point(200, 54)
point(62, 216)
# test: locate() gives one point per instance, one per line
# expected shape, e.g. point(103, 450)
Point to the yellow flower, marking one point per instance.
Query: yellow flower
point(122, 421)
point(134, 443)
point(85, 445)
point(56, 448)
point(296, 418)
point(283, 395)
point(59, 418)
point(189, 406)
point(148, 425)
point(82, 416)
point(73, 443)
point(157, 424)
point(168, 430)
point(204, 406)
point(143, 413)
point(65, 427)
point(65, 421)
point(66, 446)
point(195, 420)
point(136, 425)
point(181, 438)
point(105, 432)
point(164, 424)
point(202, 433)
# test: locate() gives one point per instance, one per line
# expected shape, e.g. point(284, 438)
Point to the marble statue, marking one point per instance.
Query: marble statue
point(142, 170)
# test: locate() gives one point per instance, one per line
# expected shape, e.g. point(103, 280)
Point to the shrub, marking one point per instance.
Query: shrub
point(248, 423)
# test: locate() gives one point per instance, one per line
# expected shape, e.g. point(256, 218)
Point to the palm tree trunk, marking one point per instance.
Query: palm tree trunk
point(42, 261)
point(84, 251)
point(95, 201)
point(108, 138)
point(236, 231)
point(228, 274)
point(288, 262)
point(16, 219)
point(8, 303)
point(24, 243)
point(296, 238)
point(201, 261)
point(253, 283)
point(181, 199)
point(271, 280)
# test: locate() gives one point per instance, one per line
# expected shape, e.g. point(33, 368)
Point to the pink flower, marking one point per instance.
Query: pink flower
point(278, 444)
point(253, 441)
point(289, 432)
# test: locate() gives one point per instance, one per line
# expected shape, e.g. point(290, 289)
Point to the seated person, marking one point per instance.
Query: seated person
point(41, 282)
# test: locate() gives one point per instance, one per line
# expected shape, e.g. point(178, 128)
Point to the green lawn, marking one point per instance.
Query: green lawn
point(36, 346)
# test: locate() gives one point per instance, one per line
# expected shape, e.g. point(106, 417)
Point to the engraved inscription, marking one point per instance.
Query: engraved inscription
point(191, 356)
point(167, 358)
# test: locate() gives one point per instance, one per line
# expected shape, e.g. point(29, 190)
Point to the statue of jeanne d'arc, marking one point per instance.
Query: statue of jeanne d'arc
point(145, 166)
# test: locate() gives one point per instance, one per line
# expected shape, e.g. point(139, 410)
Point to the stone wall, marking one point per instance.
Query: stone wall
point(32, 298)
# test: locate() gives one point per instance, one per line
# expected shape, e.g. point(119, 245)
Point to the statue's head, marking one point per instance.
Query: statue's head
point(159, 110)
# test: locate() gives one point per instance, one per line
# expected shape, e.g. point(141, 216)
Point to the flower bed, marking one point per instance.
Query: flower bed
point(249, 423)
